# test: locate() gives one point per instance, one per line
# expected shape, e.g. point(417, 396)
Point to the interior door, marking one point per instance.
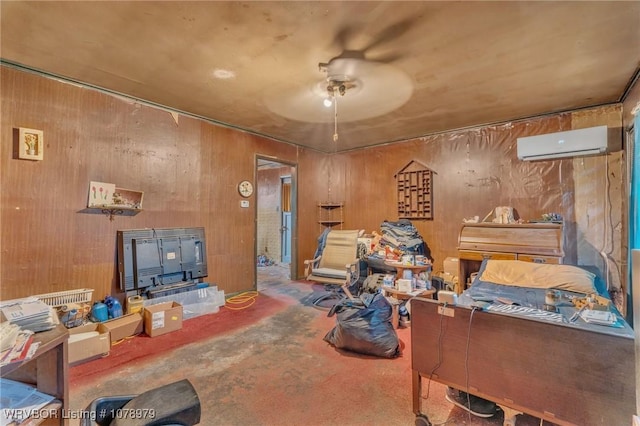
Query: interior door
point(285, 229)
point(286, 237)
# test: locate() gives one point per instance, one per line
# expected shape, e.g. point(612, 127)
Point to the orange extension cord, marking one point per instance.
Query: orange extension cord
point(244, 300)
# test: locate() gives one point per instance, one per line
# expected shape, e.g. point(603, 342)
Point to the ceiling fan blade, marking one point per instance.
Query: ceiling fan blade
point(342, 37)
point(387, 59)
point(346, 38)
point(390, 34)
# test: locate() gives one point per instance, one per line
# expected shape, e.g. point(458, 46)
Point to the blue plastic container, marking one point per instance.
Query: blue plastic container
point(114, 307)
point(99, 312)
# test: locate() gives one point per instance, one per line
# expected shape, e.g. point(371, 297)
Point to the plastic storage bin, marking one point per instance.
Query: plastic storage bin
point(194, 303)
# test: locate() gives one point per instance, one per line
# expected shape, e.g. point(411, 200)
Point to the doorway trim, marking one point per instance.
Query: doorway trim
point(293, 265)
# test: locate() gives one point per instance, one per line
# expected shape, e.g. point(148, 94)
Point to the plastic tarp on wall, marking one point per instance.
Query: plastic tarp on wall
point(477, 170)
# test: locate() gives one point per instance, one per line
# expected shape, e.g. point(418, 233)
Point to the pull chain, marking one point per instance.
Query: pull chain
point(335, 121)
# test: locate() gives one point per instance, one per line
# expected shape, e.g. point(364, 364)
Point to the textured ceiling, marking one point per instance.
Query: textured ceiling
point(415, 68)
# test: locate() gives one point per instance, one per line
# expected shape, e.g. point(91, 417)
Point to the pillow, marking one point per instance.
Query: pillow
point(539, 275)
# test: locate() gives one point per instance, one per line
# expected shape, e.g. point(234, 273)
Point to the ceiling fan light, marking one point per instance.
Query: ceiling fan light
point(327, 102)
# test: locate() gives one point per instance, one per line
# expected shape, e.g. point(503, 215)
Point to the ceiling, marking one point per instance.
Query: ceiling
point(413, 68)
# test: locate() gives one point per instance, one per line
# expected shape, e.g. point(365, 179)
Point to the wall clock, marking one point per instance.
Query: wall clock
point(245, 188)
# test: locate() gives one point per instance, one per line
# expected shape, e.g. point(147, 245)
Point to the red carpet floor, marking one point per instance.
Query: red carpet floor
point(142, 348)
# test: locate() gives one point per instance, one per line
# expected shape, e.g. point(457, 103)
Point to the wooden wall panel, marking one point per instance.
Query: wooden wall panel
point(188, 169)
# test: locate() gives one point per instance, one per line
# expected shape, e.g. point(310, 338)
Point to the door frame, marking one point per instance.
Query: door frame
point(293, 266)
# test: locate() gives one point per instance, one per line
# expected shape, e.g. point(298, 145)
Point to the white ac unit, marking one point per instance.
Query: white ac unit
point(589, 141)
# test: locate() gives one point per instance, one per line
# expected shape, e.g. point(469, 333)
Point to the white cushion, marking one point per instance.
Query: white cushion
point(330, 273)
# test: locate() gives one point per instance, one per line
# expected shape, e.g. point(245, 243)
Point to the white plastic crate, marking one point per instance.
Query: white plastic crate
point(62, 298)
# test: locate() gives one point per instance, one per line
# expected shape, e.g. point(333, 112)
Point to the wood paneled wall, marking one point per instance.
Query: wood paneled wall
point(189, 169)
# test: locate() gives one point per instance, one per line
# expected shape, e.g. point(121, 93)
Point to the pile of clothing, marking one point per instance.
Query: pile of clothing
point(402, 237)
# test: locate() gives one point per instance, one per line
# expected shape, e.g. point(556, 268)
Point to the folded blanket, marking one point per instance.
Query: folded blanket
point(539, 275)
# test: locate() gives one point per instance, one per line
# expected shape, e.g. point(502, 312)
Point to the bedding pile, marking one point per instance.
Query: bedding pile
point(539, 275)
point(520, 288)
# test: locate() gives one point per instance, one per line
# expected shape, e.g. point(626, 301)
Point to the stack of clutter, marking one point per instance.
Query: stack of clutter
point(403, 237)
point(72, 306)
point(21, 319)
point(74, 314)
point(30, 314)
point(16, 344)
point(263, 260)
point(398, 239)
point(404, 316)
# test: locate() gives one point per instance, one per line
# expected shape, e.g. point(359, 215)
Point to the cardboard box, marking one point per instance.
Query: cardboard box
point(124, 326)
point(404, 285)
point(85, 344)
point(162, 318)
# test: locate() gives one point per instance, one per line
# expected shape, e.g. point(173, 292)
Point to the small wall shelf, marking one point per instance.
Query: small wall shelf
point(111, 211)
point(107, 199)
point(330, 213)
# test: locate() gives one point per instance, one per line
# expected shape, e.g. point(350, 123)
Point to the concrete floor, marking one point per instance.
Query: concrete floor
point(278, 370)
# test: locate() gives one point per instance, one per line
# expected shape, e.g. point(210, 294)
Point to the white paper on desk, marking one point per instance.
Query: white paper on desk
point(598, 317)
point(19, 400)
point(25, 309)
point(8, 334)
point(31, 314)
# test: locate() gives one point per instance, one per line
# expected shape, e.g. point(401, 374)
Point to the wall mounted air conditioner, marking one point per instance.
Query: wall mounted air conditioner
point(589, 141)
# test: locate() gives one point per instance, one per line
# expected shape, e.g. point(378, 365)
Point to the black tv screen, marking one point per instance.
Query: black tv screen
point(148, 258)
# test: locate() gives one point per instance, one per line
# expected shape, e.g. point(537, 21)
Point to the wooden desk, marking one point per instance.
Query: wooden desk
point(556, 372)
point(47, 370)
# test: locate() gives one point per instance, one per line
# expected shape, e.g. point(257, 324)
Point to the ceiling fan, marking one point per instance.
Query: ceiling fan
point(364, 88)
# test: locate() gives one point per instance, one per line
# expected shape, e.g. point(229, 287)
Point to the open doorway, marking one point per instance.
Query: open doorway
point(275, 222)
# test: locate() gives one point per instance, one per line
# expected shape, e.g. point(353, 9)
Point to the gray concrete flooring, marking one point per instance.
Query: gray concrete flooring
point(279, 371)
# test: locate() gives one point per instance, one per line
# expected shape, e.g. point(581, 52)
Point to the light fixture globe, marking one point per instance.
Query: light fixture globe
point(371, 89)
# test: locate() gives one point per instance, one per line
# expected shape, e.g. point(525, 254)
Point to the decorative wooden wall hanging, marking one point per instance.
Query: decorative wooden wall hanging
point(415, 191)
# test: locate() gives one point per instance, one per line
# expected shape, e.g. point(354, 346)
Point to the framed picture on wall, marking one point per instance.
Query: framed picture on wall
point(30, 144)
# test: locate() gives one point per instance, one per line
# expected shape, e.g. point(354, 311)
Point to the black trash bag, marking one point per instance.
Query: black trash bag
point(364, 326)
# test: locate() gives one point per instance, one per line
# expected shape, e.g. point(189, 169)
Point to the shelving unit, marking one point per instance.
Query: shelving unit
point(111, 211)
point(107, 199)
point(330, 214)
point(414, 189)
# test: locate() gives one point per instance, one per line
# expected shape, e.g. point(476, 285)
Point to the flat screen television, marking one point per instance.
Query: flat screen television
point(150, 258)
